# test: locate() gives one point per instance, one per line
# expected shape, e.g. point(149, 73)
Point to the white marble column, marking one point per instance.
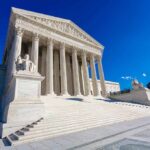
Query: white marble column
point(63, 73)
point(43, 70)
point(85, 75)
point(43, 61)
point(75, 72)
point(102, 78)
point(50, 68)
point(16, 48)
point(94, 78)
point(35, 50)
point(57, 88)
point(30, 49)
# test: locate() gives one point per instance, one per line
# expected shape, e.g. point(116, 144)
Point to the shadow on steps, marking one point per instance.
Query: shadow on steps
point(75, 99)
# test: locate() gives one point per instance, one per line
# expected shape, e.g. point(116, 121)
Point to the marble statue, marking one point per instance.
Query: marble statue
point(25, 64)
point(136, 84)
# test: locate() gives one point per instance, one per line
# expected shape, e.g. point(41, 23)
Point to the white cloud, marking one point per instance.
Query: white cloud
point(144, 74)
point(127, 78)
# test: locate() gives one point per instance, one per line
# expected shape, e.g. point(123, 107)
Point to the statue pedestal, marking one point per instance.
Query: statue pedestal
point(22, 104)
point(28, 85)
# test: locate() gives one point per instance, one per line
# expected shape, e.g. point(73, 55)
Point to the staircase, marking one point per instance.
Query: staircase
point(68, 115)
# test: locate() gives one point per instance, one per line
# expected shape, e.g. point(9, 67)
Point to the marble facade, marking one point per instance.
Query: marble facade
point(48, 56)
point(59, 49)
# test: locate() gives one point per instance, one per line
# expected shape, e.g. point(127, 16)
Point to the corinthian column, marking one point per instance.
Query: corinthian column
point(63, 73)
point(49, 69)
point(102, 78)
point(16, 48)
point(35, 50)
point(85, 75)
point(75, 73)
point(94, 79)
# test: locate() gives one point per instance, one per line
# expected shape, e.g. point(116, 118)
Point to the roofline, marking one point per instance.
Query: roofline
point(111, 82)
point(16, 10)
point(23, 11)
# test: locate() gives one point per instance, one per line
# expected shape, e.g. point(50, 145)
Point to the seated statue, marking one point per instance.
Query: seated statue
point(25, 64)
point(136, 85)
point(19, 64)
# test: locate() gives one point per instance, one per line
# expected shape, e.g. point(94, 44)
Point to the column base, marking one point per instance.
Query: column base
point(104, 94)
point(89, 94)
point(52, 94)
point(65, 94)
point(79, 94)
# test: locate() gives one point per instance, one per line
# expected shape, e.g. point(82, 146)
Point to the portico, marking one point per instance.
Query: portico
point(46, 56)
point(69, 61)
point(61, 52)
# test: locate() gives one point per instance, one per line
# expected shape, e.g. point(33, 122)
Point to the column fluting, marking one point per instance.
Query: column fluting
point(102, 78)
point(35, 50)
point(63, 73)
point(16, 48)
point(94, 79)
point(75, 72)
point(85, 75)
point(50, 68)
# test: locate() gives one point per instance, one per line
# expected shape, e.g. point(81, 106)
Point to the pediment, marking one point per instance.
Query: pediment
point(59, 24)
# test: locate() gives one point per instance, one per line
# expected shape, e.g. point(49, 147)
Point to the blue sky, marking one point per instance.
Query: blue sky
point(122, 26)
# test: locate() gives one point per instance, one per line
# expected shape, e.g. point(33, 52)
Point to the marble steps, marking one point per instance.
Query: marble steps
point(86, 108)
point(15, 136)
point(15, 140)
point(49, 132)
point(63, 123)
point(54, 128)
point(65, 117)
point(75, 120)
point(57, 126)
point(99, 112)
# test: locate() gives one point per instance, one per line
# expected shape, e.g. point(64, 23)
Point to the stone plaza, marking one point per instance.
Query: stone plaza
point(46, 89)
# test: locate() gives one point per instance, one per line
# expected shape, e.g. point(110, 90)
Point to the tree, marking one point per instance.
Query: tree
point(148, 85)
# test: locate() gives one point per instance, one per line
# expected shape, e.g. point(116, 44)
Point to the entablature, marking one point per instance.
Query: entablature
point(33, 27)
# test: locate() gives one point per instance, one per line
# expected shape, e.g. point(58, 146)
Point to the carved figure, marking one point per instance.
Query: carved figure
point(136, 85)
point(19, 64)
point(25, 64)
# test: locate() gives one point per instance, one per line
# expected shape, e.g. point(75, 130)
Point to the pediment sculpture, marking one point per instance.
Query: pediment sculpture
point(25, 64)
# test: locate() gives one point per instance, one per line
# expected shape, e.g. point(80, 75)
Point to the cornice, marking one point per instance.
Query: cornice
point(49, 33)
point(63, 26)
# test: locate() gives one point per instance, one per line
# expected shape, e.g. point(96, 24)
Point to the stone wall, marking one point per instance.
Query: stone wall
point(110, 86)
point(141, 96)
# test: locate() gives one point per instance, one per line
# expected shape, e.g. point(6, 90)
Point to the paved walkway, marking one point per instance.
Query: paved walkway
point(128, 133)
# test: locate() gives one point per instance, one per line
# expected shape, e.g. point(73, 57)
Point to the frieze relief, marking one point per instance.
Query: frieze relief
point(51, 34)
point(64, 27)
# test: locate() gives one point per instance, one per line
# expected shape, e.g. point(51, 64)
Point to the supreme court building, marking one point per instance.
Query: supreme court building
point(46, 55)
point(60, 50)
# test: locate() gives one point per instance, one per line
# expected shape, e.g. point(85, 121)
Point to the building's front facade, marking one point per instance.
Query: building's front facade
point(45, 55)
point(110, 86)
point(60, 50)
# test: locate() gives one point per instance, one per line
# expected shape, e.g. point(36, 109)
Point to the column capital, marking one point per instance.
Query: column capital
point(50, 41)
point(35, 36)
point(19, 31)
point(98, 57)
point(74, 49)
point(62, 45)
point(92, 55)
point(83, 53)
